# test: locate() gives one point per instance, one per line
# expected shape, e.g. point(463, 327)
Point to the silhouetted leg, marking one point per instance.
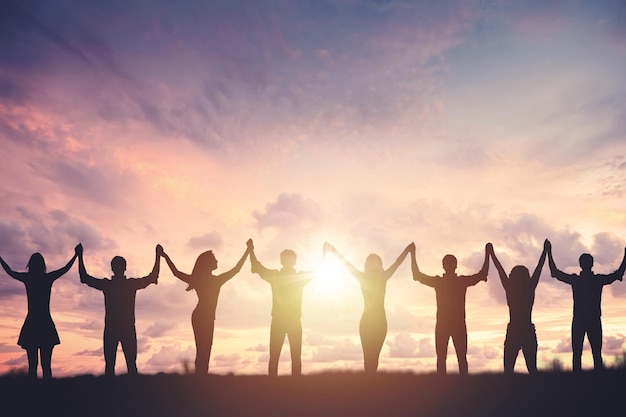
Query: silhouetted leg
point(203, 334)
point(459, 338)
point(277, 337)
point(578, 336)
point(129, 346)
point(33, 361)
point(441, 346)
point(295, 347)
point(110, 352)
point(511, 349)
point(46, 361)
point(530, 350)
point(594, 333)
point(373, 330)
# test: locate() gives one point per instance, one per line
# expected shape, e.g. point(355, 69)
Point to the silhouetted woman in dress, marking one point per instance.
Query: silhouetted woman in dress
point(207, 287)
point(373, 281)
point(39, 334)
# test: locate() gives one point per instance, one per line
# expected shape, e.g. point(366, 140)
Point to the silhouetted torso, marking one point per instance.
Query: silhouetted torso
point(373, 289)
point(450, 293)
point(119, 299)
point(287, 289)
point(208, 291)
point(587, 294)
point(38, 329)
point(520, 297)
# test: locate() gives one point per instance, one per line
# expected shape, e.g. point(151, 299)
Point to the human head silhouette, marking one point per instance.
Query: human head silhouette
point(373, 263)
point(520, 274)
point(36, 264)
point(205, 263)
point(586, 262)
point(449, 263)
point(288, 258)
point(118, 265)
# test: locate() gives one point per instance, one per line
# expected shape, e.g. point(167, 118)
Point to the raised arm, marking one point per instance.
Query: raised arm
point(353, 270)
point(622, 267)
point(482, 274)
point(392, 269)
point(20, 276)
point(542, 259)
point(229, 274)
point(153, 276)
point(60, 272)
point(617, 275)
point(555, 272)
point(178, 274)
point(85, 278)
point(256, 266)
point(417, 274)
point(503, 276)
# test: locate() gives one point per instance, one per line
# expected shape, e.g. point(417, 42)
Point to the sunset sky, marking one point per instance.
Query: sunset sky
point(367, 124)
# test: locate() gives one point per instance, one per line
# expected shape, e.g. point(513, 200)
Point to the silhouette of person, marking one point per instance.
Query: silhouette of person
point(119, 305)
point(450, 291)
point(373, 280)
point(38, 335)
point(287, 287)
point(207, 287)
point(520, 297)
point(587, 295)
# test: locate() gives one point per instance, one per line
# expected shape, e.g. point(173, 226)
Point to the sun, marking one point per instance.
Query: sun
point(330, 280)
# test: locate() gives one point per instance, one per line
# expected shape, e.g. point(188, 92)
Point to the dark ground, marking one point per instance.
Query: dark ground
point(329, 394)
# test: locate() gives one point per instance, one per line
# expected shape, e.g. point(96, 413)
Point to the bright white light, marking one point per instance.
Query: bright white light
point(330, 278)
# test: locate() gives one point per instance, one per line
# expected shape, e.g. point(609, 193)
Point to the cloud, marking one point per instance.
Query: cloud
point(170, 358)
point(6, 348)
point(159, 329)
point(405, 346)
point(19, 361)
point(211, 240)
point(344, 350)
point(54, 234)
point(287, 212)
point(258, 348)
point(227, 360)
point(613, 345)
point(491, 353)
point(607, 249)
point(94, 352)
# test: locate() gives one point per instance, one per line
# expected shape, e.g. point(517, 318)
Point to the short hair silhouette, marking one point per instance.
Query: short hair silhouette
point(119, 305)
point(118, 264)
point(450, 291)
point(287, 287)
point(288, 258)
point(587, 294)
point(449, 263)
point(585, 261)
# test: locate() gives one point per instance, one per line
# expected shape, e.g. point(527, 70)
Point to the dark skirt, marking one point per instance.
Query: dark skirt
point(38, 332)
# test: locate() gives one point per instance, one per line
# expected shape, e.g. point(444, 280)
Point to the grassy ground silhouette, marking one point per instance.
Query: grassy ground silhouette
point(327, 394)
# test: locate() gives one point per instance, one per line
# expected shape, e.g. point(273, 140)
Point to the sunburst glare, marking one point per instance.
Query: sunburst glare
point(330, 279)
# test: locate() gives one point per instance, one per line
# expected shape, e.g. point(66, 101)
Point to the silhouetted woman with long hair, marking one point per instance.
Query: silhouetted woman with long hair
point(373, 280)
point(207, 287)
point(39, 334)
point(520, 287)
